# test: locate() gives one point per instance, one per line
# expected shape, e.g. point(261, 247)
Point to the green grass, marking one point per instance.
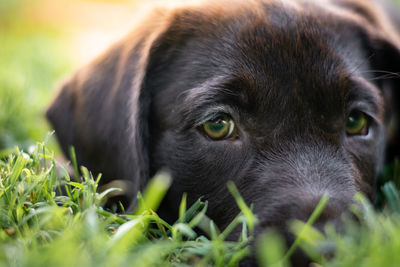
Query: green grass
point(39, 226)
point(33, 58)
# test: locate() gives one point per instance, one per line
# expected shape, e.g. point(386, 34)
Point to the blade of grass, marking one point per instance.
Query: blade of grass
point(251, 219)
point(314, 216)
point(74, 162)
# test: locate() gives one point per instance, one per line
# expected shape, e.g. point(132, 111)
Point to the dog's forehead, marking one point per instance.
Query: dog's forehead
point(276, 60)
point(295, 64)
point(282, 56)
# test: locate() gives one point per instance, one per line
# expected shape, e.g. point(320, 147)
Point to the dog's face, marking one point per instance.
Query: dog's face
point(283, 99)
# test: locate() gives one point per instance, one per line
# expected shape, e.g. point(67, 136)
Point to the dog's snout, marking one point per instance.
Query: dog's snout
point(302, 207)
point(333, 207)
point(305, 207)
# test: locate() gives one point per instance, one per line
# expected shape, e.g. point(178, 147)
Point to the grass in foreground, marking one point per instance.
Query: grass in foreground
point(39, 227)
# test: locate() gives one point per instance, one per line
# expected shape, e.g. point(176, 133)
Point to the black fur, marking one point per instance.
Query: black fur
point(288, 73)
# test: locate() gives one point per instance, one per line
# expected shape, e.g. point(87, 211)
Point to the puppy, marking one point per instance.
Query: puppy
point(291, 100)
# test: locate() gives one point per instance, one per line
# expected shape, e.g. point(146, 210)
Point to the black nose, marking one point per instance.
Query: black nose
point(302, 209)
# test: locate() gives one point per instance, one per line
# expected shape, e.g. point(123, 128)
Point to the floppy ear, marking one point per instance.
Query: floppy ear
point(103, 109)
point(378, 23)
point(385, 63)
point(380, 33)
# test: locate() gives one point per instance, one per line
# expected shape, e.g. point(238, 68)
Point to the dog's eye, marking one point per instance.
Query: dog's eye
point(357, 123)
point(222, 127)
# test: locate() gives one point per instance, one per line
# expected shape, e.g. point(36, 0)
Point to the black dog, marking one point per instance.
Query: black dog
point(289, 99)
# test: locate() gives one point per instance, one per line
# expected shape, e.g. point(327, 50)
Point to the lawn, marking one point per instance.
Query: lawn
point(39, 226)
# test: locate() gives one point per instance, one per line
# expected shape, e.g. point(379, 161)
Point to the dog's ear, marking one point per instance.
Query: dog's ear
point(103, 110)
point(385, 61)
point(384, 55)
point(379, 29)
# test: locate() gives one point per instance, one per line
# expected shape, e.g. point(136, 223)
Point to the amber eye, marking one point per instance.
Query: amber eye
point(357, 123)
point(222, 127)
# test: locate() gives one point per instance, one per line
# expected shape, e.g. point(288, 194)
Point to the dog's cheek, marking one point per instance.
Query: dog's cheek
point(198, 166)
point(367, 158)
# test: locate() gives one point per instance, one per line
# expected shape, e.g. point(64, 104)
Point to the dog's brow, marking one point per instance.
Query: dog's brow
point(364, 91)
point(208, 93)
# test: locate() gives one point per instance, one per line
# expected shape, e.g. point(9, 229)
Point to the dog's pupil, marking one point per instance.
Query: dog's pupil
point(217, 128)
point(356, 122)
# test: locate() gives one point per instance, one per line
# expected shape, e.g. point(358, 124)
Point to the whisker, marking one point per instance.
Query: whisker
point(382, 71)
point(385, 75)
point(362, 63)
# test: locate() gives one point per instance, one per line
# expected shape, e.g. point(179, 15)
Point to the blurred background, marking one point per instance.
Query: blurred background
point(41, 43)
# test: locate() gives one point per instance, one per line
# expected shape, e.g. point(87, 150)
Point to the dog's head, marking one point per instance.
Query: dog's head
point(290, 100)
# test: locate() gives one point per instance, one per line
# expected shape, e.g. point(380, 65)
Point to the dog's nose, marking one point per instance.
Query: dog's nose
point(303, 210)
point(304, 207)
